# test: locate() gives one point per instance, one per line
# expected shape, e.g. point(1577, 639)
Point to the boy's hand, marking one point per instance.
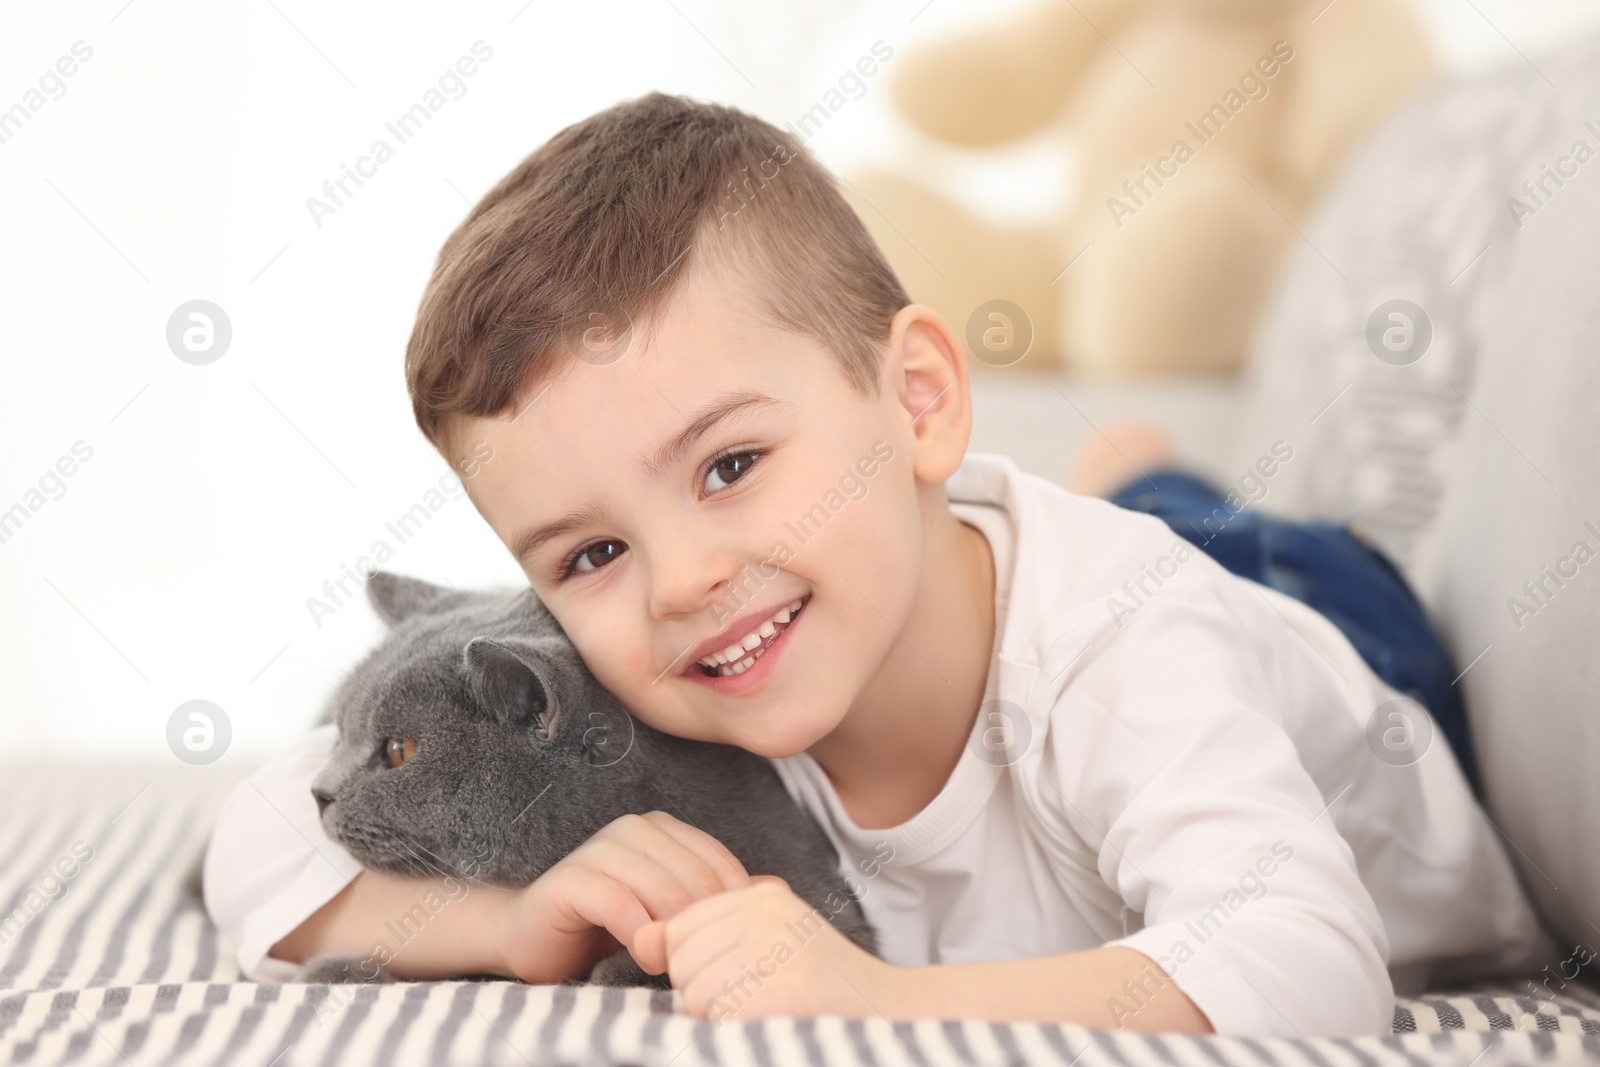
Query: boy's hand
point(636, 869)
point(761, 951)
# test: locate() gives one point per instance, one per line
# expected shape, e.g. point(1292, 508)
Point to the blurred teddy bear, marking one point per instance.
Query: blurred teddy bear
point(1201, 132)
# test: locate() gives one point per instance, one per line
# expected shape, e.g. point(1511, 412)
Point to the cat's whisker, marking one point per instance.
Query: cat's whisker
point(422, 864)
point(441, 867)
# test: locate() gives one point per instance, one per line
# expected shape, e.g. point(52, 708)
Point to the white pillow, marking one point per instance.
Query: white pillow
point(1523, 513)
point(1420, 214)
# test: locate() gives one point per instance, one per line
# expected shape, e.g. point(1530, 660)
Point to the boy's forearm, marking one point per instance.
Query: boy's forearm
point(417, 927)
point(1080, 987)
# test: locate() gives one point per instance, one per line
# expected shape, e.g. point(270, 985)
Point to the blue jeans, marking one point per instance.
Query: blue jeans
point(1329, 568)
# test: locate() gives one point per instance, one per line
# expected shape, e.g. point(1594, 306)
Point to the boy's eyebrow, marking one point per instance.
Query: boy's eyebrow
point(531, 539)
point(728, 405)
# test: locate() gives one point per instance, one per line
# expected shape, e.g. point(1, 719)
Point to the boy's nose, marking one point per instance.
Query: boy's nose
point(687, 579)
point(322, 797)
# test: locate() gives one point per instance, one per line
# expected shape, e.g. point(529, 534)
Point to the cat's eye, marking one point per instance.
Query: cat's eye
point(398, 750)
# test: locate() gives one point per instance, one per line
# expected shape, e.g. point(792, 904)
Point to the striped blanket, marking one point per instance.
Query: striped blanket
point(107, 957)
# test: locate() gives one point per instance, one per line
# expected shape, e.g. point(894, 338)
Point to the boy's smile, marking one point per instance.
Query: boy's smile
point(735, 652)
point(731, 534)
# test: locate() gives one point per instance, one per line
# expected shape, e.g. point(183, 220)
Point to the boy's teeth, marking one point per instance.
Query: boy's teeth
point(734, 659)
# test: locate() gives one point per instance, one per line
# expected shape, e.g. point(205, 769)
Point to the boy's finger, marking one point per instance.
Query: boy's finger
point(655, 883)
point(731, 873)
point(707, 945)
point(772, 878)
point(601, 902)
point(669, 843)
point(703, 913)
point(678, 856)
point(649, 947)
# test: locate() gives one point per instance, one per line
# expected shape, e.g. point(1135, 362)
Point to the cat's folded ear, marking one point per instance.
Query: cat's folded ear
point(396, 597)
point(507, 683)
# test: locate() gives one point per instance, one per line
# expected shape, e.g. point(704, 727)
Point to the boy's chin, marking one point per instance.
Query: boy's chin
point(770, 750)
point(796, 738)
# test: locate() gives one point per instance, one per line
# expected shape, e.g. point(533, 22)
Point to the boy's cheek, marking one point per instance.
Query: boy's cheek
point(618, 667)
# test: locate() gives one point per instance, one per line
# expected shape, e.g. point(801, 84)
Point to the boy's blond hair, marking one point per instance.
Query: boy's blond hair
point(598, 227)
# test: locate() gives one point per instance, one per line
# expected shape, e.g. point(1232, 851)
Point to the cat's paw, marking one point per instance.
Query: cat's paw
point(335, 968)
point(622, 969)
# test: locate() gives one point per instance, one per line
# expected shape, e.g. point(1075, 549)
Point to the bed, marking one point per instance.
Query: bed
point(110, 959)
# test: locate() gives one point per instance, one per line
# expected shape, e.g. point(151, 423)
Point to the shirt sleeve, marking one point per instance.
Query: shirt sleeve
point(1165, 756)
point(269, 865)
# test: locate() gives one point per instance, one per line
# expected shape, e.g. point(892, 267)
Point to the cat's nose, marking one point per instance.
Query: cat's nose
point(323, 799)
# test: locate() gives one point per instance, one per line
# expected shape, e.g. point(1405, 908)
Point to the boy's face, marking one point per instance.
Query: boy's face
point(691, 493)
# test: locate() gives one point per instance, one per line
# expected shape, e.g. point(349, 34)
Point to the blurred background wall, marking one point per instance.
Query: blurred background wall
point(185, 501)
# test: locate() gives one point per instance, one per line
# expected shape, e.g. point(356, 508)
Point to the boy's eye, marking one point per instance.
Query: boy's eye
point(729, 468)
point(592, 557)
point(398, 750)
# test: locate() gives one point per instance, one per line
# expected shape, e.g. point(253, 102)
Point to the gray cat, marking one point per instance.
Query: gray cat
point(473, 743)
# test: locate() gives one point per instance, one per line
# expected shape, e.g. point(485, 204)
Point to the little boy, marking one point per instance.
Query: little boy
point(689, 395)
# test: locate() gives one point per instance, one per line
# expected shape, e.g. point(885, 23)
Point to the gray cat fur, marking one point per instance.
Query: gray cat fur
point(521, 756)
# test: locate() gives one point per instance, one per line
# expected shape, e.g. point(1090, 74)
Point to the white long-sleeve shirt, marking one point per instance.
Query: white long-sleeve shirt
point(1179, 764)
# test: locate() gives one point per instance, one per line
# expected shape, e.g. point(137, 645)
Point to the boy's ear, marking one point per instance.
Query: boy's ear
point(505, 681)
point(396, 598)
point(928, 370)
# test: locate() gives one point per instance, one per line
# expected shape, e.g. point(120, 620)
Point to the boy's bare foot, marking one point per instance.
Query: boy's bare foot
point(1118, 454)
